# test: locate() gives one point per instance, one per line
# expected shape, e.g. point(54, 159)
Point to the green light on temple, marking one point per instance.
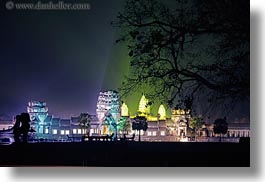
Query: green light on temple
point(124, 110)
point(144, 108)
point(162, 112)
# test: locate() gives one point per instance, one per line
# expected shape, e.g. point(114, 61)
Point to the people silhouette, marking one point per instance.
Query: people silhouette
point(16, 129)
point(25, 126)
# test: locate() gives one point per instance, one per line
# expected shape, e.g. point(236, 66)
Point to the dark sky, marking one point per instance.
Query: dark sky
point(59, 57)
point(64, 58)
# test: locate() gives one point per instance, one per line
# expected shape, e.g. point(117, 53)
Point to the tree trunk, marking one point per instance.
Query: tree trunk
point(139, 135)
point(116, 134)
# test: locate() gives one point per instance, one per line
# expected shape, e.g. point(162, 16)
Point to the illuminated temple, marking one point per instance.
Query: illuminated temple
point(160, 126)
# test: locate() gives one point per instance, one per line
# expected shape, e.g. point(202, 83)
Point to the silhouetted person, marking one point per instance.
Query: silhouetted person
point(25, 119)
point(16, 129)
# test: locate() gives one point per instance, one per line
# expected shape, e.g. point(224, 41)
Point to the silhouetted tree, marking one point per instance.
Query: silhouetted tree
point(112, 125)
point(139, 123)
point(220, 127)
point(25, 126)
point(195, 124)
point(124, 125)
point(198, 49)
point(84, 120)
point(16, 129)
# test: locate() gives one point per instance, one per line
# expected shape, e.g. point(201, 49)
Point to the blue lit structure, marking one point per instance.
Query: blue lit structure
point(109, 103)
point(160, 127)
point(38, 112)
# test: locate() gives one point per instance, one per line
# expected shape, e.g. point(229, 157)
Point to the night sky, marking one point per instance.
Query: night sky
point(60, 57)
point(64, 58)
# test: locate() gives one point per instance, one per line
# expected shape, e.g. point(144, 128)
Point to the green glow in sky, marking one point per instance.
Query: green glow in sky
point(116, 70)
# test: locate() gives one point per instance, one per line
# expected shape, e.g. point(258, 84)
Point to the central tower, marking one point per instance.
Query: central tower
point(144, 108)
point(108, 103)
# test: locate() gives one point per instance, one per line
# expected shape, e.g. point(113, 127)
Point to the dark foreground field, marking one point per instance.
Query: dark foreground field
point(126, 154)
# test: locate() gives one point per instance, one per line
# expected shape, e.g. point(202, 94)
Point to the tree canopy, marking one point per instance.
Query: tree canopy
point(197, 49)
point(220, 126)
point(196, 122)
point(124, 124)
point(84, 120)
point(111, 123)
point(140, 123)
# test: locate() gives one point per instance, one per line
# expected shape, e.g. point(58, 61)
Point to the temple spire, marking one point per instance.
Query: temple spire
point(144, 108)
point(162, 112)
